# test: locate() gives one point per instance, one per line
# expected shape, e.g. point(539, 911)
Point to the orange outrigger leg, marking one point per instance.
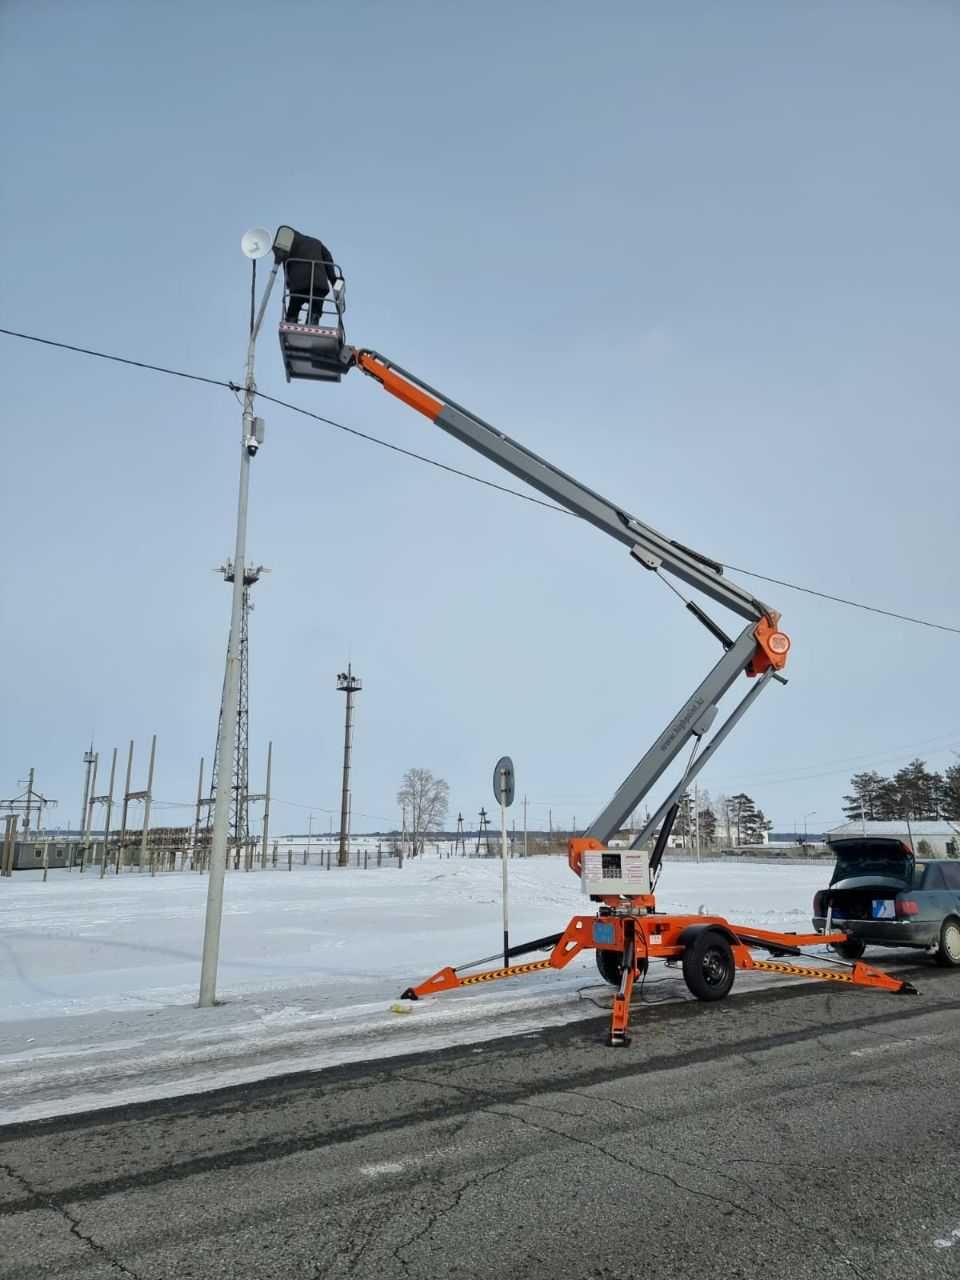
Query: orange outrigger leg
point(709, 948)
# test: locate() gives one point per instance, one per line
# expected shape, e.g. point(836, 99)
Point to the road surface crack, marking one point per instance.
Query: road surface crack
point(454, 1204)
point(72, 1222)
point(732, 1205)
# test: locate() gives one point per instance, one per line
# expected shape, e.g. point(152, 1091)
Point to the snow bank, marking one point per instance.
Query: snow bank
point(98, 978)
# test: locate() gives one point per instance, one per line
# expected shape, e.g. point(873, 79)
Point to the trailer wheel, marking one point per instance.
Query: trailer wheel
point(610, 964)
point(948, 951)
point(852, 949)
point(708, 966)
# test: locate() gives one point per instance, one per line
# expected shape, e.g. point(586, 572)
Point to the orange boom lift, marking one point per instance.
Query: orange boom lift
point(624, 928)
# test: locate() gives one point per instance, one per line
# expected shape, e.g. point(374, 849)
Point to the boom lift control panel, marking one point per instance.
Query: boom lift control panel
point(625, 929)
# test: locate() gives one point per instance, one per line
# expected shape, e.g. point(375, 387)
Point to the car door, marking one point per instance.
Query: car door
point(951, 878)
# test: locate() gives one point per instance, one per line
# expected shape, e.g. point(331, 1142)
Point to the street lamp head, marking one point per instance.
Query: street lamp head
point(256, 243)
point(283, 243)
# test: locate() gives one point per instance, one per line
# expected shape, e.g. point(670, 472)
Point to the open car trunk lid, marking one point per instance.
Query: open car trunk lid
point(867, 860)
point(869, 874)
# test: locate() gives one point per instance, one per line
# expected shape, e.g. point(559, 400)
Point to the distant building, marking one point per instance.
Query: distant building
point(28, 852)
point(942, 836)
point(795, 837)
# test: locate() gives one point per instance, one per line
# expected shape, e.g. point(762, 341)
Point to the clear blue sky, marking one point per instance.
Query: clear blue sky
point(703, 256)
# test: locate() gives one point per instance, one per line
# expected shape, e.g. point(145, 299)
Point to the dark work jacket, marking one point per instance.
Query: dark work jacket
point(298, 273)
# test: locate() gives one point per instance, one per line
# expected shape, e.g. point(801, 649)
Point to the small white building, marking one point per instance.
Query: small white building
point(942, 836)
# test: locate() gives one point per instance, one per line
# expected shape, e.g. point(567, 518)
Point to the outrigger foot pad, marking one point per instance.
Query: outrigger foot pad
point(618, 1040)
point(906, 989)
point(409, 994)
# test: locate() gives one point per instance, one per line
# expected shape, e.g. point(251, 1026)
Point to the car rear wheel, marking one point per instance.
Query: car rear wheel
point(852, 949)
point(610, 964)
point(948, 952)
point(708, 966)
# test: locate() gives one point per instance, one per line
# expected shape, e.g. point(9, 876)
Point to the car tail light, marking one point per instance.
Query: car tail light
point(907, 907)
point(818, 903)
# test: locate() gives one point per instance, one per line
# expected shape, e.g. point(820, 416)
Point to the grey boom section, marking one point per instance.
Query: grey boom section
point(601, 513)
point(702, 759)
point(650, 547)
point(674, 738)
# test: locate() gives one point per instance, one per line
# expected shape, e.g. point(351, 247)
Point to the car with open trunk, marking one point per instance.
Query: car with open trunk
point(881, 895)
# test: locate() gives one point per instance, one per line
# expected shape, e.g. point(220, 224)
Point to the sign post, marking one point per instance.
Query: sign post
point(503, 793)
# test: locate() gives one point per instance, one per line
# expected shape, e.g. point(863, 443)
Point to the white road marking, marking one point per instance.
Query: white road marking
point(378, 1170)
point(948, 1241)
point(893, 1046)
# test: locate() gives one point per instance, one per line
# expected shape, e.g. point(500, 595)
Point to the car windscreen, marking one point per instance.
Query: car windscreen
point(872, 858)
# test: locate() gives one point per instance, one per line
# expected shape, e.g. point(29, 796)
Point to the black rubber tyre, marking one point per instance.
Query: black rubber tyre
point(610, 964)
point(948, 950)
point(708, 967)
point(852, 949)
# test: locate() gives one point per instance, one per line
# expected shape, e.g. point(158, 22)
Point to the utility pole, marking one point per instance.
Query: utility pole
point(524, 826)
point(126, 803)
point(251, 436)
point(483, 834)
point(459, 844)
point(240, 798)
point(249, 856)
point(266, 810)
point(108, 801)
point(9, 844)
point(88, 813)
point(90, 761)
point(146, 797)
point(349, 684)
point(696, 816)
point(196, 822)
point(27, 801)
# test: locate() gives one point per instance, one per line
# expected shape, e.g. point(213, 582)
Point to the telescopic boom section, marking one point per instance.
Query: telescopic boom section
point(652, 549)
point(760, 650)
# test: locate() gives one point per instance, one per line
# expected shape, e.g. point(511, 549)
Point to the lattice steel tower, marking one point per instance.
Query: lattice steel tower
point(238, 827)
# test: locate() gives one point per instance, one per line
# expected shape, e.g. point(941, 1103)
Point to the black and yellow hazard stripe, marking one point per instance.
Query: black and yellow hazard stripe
point(801, 971)
point(492, 974)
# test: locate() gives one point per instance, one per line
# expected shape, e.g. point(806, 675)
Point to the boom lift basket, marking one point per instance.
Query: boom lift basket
point(312, 336)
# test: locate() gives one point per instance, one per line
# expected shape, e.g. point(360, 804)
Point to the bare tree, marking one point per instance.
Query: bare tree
point(425, 799)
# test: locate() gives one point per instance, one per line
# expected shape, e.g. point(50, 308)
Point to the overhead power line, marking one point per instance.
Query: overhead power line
point(456, 471)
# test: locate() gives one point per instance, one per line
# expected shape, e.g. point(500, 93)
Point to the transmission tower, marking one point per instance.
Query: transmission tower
point(483, 834)
point(27, 802)
point(238, 823)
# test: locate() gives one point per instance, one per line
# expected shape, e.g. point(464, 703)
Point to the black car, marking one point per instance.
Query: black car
point(880, 895)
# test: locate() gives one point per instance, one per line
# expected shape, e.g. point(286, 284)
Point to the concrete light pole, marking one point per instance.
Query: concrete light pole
point(349, 684)
point(255, 245)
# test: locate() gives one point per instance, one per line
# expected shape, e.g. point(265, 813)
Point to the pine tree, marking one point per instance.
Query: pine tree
point(748, 823)
point(708, 826)
point(685, 823)
point(950, 792)
point(865, 789)
point(917, 792)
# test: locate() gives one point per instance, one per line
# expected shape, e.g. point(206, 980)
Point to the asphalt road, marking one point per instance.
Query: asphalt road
point(801, 1132)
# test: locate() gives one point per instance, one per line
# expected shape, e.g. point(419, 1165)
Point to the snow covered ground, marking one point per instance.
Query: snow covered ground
point(99, 978)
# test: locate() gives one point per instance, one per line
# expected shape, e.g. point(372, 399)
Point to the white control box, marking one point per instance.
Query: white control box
point(614, 871)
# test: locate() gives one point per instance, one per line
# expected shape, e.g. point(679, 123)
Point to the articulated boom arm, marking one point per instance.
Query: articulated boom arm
point(652, 549)
point(760, 650)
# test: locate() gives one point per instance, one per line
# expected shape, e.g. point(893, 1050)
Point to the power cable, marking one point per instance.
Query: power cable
point(137, 364)
point(442, 466)
point(853, 604)
point(408, 453)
